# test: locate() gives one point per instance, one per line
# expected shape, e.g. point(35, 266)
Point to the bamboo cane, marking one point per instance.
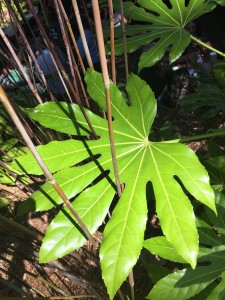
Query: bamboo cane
point(49, 177)
point(72, 35)
point(112, 43)
point(74, 64)
point(82, 34)
point(28, 47)
point(33, 89)
point(124, 40)
point(62, 70)
point(65, 39)
point(101, 47)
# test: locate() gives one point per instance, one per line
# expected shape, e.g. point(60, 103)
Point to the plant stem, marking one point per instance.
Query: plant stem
point(131, 282)
point(62, 69)
point(72, 35)
point(82, 34)
point(28, 47)
point(124, 41)
point(120, 294)
point(197, 137)
point(105, 73)
point(112, 43)
point(33, 89)
point(4, 99)
point(27, 231)
point(207, 46)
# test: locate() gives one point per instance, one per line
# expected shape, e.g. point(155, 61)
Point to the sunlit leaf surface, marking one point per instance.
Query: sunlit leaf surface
point(165, 164)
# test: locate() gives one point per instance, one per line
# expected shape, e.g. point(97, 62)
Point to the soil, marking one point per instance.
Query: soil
point(77, 274)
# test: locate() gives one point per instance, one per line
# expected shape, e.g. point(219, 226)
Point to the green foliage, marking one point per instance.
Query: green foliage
point(139, 161)
point(207, 280)
point(165, 27)
point(209, 96)
point(186, 283)
point(9, 150)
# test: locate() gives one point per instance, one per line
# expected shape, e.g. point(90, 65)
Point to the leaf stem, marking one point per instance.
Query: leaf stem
point(207, 46)
point(131, 282)
point(5, 101)
point(197, 137)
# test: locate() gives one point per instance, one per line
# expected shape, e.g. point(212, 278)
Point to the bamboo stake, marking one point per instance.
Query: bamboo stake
point(124, 40)
point(82, 34)
point(33, 89)
point(28, 47)
point(101, 47)
point(112, 43)
point(72, 56)
point(72, 35)
point(49, 177)
point(62, 70)
point(66, 42)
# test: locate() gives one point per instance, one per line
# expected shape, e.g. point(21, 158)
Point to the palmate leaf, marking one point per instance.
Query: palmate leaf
point(186, 283)
point(139, 161)
point(164, 27)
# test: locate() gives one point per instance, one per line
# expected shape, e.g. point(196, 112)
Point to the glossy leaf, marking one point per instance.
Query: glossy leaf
point(165, 27)
point(186, 283)
point(63, 234)
point(139, 161)
point(161, 247)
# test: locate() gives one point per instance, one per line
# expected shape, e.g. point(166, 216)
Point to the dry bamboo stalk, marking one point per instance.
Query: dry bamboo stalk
point(82, 34)
point(28, 47)
point(101, 47)
point(62, 70)
point(124, 40)
point(33, 89)
point(74, 64)
point(49, 177)
point(66, 42)
point(112, 44)
point(72, 35)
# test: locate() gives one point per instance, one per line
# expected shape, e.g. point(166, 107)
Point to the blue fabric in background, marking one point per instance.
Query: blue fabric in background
point(47, 65)
point(91, 45)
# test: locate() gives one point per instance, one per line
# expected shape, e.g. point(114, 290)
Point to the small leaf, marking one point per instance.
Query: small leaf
point(161, 247)
point(183, 284)
point(4, 202)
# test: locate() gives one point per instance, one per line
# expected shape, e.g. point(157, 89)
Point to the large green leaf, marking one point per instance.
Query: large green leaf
point(186, 283)
point(165, 164)
point(165, 27)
